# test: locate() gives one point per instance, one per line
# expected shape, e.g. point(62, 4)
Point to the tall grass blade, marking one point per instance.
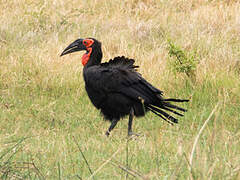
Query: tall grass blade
point(83, 157)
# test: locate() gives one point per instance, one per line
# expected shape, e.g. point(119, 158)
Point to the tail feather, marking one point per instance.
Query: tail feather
point(164, 104)
point(166, 115)
point(175, 112)
point(176, 100)
point(167, 104)
point(158, 114)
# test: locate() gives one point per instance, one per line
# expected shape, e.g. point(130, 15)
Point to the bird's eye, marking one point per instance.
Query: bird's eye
point(85, 42)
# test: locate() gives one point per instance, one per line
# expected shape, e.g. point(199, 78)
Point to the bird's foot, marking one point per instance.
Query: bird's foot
point(107, 133)
point(130, 134)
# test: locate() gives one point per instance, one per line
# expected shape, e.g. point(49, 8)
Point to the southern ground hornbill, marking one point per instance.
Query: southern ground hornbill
point(117, 89)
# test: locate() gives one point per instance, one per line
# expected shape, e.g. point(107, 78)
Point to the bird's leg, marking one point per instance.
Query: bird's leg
point(131, 114)
point(113, 124)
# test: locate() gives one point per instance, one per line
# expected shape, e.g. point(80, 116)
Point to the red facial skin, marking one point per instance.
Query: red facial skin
point(88, 43)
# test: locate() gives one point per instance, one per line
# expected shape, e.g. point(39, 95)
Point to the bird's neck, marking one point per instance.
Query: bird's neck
point(94, 58)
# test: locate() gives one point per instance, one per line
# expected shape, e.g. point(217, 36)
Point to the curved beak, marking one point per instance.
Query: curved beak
point(73, 47)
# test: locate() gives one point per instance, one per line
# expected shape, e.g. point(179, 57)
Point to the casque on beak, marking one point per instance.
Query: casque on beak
point(73, 47)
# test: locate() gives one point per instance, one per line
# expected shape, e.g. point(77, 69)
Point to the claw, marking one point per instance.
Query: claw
point(107, 133)
point(133, 134)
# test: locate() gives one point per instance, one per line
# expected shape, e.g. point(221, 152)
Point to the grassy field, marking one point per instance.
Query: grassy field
point(50, 130)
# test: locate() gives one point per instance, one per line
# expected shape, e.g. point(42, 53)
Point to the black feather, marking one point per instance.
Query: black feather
point(176, 100)
point(166, 115)
point(115, 88)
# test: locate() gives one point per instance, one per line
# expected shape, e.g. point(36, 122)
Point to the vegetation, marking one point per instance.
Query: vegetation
point(182, 61)
point(50, 130)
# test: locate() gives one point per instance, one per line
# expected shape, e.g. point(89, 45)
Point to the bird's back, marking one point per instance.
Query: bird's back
point(117, 89)
point(108, 87)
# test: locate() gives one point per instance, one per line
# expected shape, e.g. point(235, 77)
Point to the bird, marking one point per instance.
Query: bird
point(118, 90)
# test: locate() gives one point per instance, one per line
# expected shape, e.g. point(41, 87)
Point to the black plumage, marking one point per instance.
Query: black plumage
point(117, 89)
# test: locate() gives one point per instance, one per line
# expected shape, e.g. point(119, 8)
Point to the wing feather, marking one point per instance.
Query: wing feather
point(120, 76)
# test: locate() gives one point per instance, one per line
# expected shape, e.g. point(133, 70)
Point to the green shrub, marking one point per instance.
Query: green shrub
point(182, 61)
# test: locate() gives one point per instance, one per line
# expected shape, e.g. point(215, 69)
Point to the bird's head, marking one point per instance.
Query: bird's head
point(90, 45)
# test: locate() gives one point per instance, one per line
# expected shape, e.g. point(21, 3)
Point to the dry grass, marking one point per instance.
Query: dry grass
point(42, 96)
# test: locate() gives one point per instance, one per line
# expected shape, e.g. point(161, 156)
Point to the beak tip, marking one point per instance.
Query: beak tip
point(73, 47)
point(63, 53)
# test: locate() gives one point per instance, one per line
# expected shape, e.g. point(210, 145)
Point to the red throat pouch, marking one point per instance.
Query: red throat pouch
point(86, 57)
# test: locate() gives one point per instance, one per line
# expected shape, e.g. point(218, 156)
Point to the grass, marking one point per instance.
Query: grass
point(48, 127)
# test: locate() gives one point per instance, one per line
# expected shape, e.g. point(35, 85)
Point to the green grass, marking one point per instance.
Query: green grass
point(48, 125)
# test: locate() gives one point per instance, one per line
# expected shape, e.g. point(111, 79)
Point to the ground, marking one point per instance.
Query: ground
point(50, 130)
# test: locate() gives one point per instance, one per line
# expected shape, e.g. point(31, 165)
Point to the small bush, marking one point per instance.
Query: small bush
point(182, 61)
